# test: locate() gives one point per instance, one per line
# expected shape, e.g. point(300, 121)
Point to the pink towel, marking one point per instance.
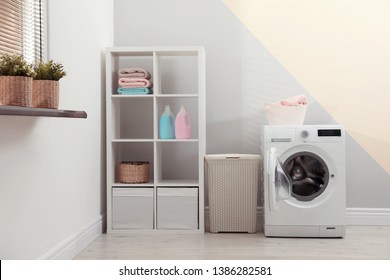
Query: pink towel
point(134, 82)
point(134, 73)
point(294, 101)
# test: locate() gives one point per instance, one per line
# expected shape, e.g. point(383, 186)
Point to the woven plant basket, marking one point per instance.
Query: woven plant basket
point(134, 172)
point(16, 91)
point(45, 94)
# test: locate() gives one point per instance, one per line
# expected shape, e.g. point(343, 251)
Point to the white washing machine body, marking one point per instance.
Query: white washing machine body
point(304, 181)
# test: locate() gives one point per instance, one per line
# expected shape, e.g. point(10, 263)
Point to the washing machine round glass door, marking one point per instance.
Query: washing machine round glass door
point(308, 173)
point(279, 183)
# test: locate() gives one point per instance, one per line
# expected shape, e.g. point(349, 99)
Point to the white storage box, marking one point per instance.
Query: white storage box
point(132, 208)
point(232, 188)
point(177, 208)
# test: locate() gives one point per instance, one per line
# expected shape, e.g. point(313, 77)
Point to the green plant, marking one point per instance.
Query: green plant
point(15, 65)
point(49, 71)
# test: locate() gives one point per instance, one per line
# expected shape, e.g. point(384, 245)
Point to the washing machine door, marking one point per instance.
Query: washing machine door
point(279, 183)
point(309, 174)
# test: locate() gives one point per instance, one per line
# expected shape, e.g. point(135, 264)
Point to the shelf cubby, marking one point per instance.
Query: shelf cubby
point(177, 161)
point(178, 73)
point(190, 104)
point(131, 151)
point(132, 118)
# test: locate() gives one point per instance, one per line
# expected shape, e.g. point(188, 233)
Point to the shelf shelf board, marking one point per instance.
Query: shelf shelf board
point(159, 50)
point(131, 140)
point(163, 183)
point(149, 140)
point(40, 112)
point(156, 95)
point(176, 140)
point(132, 96)
point(123, 185)
point(178, 183)
point(154, 231)
point(176, 95)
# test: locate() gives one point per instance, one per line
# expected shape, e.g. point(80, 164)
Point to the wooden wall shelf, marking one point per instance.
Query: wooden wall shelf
point(40, 112)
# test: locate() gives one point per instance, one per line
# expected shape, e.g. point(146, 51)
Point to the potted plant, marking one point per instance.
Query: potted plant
point(46, 84)
point(15, 80)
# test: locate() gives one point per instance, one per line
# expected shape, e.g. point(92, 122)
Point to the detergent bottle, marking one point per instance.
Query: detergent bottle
point(182, 124)
point(167, 124)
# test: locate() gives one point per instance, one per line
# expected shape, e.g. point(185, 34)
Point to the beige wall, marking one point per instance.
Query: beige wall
point(339, 51)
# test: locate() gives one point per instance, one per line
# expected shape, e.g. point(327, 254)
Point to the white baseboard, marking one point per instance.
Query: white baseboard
point(354, 216)
point(73, 245)
point(368, 216)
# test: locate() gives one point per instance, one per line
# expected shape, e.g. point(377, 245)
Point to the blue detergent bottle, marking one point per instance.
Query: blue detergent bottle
point(167, 124)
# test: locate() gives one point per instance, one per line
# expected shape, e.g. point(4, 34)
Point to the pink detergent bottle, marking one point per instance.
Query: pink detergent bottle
point(182, 124)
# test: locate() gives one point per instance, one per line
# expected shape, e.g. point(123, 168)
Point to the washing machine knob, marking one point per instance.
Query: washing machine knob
point(304, 134)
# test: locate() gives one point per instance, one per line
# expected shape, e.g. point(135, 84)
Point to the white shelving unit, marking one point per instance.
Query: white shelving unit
point(173, 199)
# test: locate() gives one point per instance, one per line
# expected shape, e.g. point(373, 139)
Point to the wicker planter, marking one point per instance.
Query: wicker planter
point(16, 91)
point(134, 172)
point(45, 94)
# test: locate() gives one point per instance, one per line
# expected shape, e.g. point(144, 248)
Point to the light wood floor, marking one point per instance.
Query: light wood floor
point(360, 242)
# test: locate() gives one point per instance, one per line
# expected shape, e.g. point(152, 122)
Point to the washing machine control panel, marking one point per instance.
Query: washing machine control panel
point(304, 134)
point(314, 135)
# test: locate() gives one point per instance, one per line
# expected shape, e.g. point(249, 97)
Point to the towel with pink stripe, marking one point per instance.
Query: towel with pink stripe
point(134, 82)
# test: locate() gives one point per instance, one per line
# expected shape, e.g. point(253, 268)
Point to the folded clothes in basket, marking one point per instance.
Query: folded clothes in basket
point(294, 101)
point(290, 111)
point(134, 82)
point(135, 91)
point(134, 73)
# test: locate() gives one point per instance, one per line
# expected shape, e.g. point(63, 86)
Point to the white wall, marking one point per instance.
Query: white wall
point(52, 185)
point(241, 76)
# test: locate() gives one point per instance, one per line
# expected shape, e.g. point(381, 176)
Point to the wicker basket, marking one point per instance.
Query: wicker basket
point(16, 91)
point(133, 172)
point(285, 115)
point(45, 94)
point(232, 192)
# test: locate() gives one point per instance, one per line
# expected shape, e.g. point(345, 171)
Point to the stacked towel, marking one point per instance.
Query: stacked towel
point(134, 73)
point(134, 91)
point(134, 81)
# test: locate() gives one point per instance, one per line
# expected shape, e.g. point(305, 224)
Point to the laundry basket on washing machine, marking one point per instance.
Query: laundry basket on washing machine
point(232, 191)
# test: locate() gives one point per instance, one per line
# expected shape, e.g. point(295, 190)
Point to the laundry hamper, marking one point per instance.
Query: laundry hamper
point(232, 191)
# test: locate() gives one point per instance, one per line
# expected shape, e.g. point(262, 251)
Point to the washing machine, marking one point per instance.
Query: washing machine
point(304, 181)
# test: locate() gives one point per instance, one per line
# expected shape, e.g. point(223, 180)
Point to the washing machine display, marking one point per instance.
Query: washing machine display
point(304, 181)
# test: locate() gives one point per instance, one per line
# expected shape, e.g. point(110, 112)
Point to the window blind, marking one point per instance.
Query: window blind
point(22, 28)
